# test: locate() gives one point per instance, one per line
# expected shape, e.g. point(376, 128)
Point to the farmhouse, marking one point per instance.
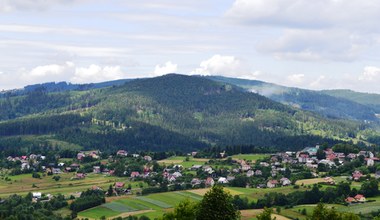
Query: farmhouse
point(209, 181)
point(135, 174)
point(222, 180)
point(122, 153)
point(272, 183)
point(360, 198)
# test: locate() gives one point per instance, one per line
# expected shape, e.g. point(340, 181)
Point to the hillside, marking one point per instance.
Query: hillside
point(369, 99)
point(327, 103)
point(172, 112)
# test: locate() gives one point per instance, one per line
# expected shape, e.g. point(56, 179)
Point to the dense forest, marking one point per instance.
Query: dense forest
point(343, 104)
point(172, 112)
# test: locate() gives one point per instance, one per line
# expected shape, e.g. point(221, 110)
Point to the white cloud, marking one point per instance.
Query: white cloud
point(324, 30)
point(95, 73)
point(11, 5)
point(296, 78)
point(315, 45)
point(318, 82)
point(168, 67)
point(50, 70)
point(370, 74)
point(356, 14)
point(229, 66)
point(69, 71)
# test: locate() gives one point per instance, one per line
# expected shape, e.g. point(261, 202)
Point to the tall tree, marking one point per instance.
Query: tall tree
point(217, 204)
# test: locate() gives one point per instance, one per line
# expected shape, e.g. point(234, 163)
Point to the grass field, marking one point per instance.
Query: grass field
point(252, 157)
point(310, 181)
point(182, 161)
point(153, 205)
point(23, 184)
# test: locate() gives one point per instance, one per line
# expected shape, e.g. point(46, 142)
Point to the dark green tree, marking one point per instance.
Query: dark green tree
point(217, 204)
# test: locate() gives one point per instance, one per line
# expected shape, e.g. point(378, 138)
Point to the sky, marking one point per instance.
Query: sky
point(324, 44)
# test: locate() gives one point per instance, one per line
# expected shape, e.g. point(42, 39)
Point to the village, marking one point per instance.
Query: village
point(189, 172)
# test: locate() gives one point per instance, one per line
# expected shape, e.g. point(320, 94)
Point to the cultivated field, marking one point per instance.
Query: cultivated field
point(182, 161)
point(25, 183)
point(153, 205)
point(251, 157)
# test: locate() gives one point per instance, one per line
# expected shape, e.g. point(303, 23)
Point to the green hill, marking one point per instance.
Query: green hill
point(369, 99)
point(332, 104)
point(172, 112)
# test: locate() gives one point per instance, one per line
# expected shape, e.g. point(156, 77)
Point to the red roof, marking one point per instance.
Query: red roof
point(350, 199)
point(359, 196)
point(119, 184)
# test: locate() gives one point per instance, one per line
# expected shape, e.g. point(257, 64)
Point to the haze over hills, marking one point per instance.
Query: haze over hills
point(171, 112)
point(331, 103)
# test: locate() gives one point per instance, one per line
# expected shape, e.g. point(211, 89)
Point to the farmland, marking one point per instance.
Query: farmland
point(251, 157)
point(25, 183)
point(154, 205)
point(178, 160)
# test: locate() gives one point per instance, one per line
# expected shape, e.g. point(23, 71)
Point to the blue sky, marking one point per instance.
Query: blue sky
point(323, 44)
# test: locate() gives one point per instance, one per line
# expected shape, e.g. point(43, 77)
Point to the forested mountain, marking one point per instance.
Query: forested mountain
point(368, 99)
point(171, 112)
point(328, 103)
point(61, 87)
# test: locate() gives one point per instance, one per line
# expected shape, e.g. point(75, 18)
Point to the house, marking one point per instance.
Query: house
point(135, 174)
point(356, 175)
point(148, 158)
point(370, 162)
point(96, 169)
point(285, 181)
point(196, 167)
point(377, 174)
point(80, 175)
point(37, 195)
point(209, 181)
point(222, 180)
point(208, 169)
point(177, 174)
point(329, 180)
point(172, 178)
point(25, 166)
point(135, 155)
point(350, 200)
point(245, 168)
point(56, 171)
point(119, 185)
point(258, 173)
point(250, 173)
point(178, 167)
point(302, 158)
point(94, 155)
point(272, 183)
point(61, 164)
point(122, 153)
point(194, 153)
point(264, 164)
point(360, 198)
point(230, 178)
point(80, 156)
point(195, 182)
point(74, 166)
point(95, 188)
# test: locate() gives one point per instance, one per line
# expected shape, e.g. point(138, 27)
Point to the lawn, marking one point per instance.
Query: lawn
point(23, 184)
point(252, 157)
point(98, 212)
point(181, 160)
point(153, 205)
